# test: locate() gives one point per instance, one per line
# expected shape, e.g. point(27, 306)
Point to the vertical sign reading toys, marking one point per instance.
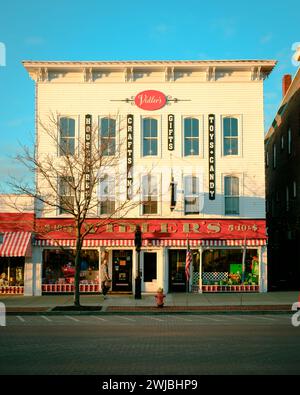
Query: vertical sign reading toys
point(88, 152)
point(211, 157)
point(171, 142)
point(129, 155)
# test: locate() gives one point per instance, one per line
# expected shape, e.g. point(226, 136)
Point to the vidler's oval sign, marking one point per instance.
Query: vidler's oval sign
point(150, 100)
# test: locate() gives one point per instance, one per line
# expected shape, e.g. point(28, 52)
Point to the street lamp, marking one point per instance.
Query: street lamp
point(138, 244)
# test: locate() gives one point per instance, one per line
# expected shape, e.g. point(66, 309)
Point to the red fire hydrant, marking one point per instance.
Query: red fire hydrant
point(160, 297)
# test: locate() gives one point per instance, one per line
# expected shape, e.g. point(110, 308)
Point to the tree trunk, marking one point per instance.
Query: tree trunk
point(77, 272)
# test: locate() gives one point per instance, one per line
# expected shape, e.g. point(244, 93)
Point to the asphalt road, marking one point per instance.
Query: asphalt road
point(150, 344)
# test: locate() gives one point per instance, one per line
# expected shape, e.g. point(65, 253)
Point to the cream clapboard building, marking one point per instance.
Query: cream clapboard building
point(198, 123)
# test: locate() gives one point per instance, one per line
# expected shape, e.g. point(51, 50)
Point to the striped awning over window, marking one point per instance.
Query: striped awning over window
point(149, 243)
point(15, 244)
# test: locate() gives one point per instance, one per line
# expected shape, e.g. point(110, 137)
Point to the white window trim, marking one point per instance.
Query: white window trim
point(99, 195)
point(200, 182)
point(159, 136)
point(201, 135)
point(118, 129)
point(240, 176)
point(239, 117)
point(159, 180)
point(77, 132)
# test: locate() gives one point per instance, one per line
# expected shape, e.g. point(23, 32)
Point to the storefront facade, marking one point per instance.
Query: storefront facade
point(194, 154)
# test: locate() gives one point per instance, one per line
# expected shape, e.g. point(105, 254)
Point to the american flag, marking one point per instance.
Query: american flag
point(188, 261)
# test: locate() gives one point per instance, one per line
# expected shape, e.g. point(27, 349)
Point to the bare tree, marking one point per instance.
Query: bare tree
point(69, 171)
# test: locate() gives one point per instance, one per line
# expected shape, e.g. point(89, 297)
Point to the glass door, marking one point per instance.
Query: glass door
point(122, 271)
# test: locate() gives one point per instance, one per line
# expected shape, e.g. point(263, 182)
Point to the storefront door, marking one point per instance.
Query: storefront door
point(150, 271)
point(122, 271)
point(177, 280)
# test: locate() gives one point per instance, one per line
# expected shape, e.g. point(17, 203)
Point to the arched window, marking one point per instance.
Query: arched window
point(230, 136)
point(231, 194)
point(67, 136)
point(191, 136)
point(150, 136)
point(107, 134)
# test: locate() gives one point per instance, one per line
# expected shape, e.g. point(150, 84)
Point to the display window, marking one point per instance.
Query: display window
point(59, 267)
point(230, 267)
point(12, 271)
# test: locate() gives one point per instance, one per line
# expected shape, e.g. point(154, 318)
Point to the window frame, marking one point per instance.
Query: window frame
point(158, 180)
point(76, 118)
point(117, 132)
point(199, 118)
point(159, 134)
point(289, 144)
point(60, 210)
point(184, 176)
point(111, 180)
point(239, 118)
point(239, 177)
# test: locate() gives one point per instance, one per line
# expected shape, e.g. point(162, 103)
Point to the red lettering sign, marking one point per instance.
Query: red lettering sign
point(150, 100)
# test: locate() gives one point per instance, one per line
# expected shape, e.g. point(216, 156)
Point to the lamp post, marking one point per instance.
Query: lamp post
point(138, 244)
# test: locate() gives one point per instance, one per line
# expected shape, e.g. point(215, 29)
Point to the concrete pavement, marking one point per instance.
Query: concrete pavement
point(176, 302)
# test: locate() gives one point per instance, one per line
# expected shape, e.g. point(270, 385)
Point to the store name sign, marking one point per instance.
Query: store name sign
point(171, 135)
point(129, 155)
point(150, 100)
point(211, 157)
point(88, 154)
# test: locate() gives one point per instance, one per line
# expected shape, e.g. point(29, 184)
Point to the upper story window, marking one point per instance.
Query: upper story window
point(107, 195)
point(107, 134)
point(289, 141)
point(150, 194)
point(231, 194)
point(230, 136)
point(66, 195)
point(282, 142)
point(294, 189)
point(150, 136)
point(274, 156)
point(267, 158)
point(191, 136)
point(191, 195)
point(66, 136)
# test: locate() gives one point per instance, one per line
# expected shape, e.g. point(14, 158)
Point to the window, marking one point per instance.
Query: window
point(150, 266)
point(107, 195)
point(66, 194)
point(191, 195)
point(230, 136)
point(108, 136)
point(289, 141)
point(150, 194)
point(282, 143)
point(1, 237)
point(67, 136)
point(150, 136)
point(267, 159)
point(274, 156)
point(294, 189)
point(191, 136)
point(231, 192)
point(287, 195)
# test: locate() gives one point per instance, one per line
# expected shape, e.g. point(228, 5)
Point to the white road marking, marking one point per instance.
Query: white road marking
point(153, 318)
point(46, 318)
point(233, 318)
point(20, 318)
point(265, 318)
point(125, 318)
point(179, 318)
point(100, 319)
point(71, 318)
point(212, 319)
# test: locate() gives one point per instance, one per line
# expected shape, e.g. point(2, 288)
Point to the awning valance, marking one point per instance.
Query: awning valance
point(149, 243)
point(15, 244)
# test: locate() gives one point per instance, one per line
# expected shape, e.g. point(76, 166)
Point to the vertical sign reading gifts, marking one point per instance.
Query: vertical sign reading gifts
point(129, 155)
point(211, 157)
point(88, 152)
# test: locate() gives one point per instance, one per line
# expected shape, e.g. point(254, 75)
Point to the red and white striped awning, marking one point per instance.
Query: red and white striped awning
point(15, 244)
point(149, 243)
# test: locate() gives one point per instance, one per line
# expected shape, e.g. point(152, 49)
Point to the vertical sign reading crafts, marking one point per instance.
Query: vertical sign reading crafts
point(87, 153)
point(211, 157)
point(129, 155)
point(171, 142)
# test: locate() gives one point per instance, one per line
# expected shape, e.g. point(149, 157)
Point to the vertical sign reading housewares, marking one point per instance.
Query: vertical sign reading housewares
point(88, 152)
point(211, 157)
point(171, 141)
point(129, 155)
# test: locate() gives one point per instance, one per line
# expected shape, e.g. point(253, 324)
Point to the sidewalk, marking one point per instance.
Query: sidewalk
point(176, 302)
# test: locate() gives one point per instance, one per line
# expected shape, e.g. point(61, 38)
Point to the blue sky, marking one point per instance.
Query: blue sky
point(134, 30)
